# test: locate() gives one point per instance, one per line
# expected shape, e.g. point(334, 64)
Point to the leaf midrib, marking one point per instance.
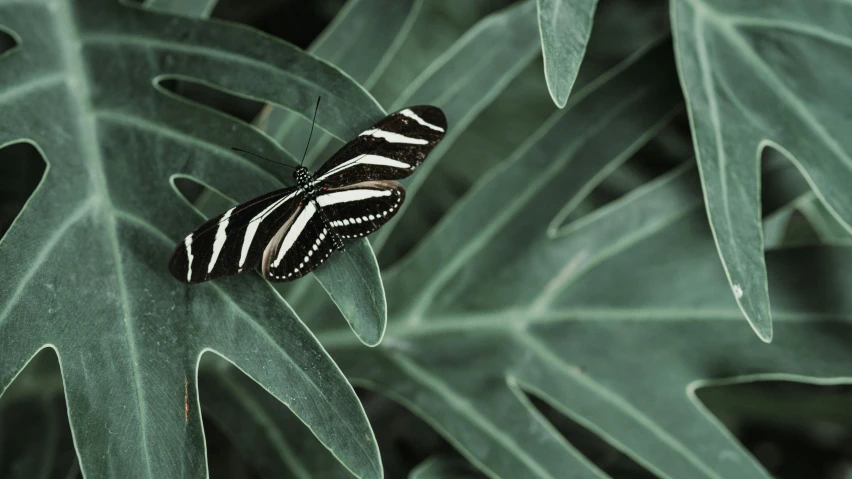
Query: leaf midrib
point(78, 89)
point(512, 320)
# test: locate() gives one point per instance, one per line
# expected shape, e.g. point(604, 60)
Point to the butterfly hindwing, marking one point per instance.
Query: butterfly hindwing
point(300, 245)
point(233, 241)
point(360, 209)
point(389, 150)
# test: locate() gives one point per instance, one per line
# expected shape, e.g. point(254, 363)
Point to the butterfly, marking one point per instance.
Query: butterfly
point(290, 232)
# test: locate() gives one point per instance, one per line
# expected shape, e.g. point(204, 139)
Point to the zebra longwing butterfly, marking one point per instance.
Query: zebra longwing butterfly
point(292, 231)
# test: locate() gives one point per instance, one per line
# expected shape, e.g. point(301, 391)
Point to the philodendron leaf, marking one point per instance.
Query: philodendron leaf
point(756, 74)
point(85, 264)
point(614, 320)
point(565, 27)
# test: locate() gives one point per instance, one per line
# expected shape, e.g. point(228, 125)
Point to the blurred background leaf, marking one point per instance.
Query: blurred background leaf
point(758, 74)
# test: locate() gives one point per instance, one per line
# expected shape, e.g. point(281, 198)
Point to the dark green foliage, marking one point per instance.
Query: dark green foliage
point(556, 302)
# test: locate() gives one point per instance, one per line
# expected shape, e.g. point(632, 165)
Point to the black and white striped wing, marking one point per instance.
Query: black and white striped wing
point(299, 246)
point(234, 241)
point(360, 209)
point(389, 150)
point(304, 242)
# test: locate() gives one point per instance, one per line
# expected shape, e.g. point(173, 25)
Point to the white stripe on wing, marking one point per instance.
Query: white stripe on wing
point(365, 160)
point(255, 222)
point(348, 196)
point(221, 236)
point(391, 137)
point(413, 116)
point(295, 230)
point(188, 243)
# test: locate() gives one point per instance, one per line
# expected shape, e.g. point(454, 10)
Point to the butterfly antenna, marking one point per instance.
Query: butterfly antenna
point(312, 131)
point(262, 158)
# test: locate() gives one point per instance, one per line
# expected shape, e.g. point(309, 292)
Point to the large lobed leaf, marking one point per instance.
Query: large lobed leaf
point(84, 265)
point(757, 74)
point(615, 319)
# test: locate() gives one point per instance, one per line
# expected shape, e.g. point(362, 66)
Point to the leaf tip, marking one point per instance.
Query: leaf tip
point(760, 320)
point(371, 337)
point(765, 332)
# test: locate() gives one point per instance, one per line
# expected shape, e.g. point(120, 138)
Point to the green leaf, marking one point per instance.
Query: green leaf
point(355, 286)
point(615, 319)
point(462, 82)
point(85, 262)
point(565, 27)
point(352, 280)
point(440, 24)
point(763, 74)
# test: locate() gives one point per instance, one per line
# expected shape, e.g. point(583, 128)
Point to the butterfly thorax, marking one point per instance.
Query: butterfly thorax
point(306, 182)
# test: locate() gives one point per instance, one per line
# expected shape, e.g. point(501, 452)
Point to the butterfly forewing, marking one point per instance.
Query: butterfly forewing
point(360, 209)
point(233, 241)
point(389, 150)
point(299, 246)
